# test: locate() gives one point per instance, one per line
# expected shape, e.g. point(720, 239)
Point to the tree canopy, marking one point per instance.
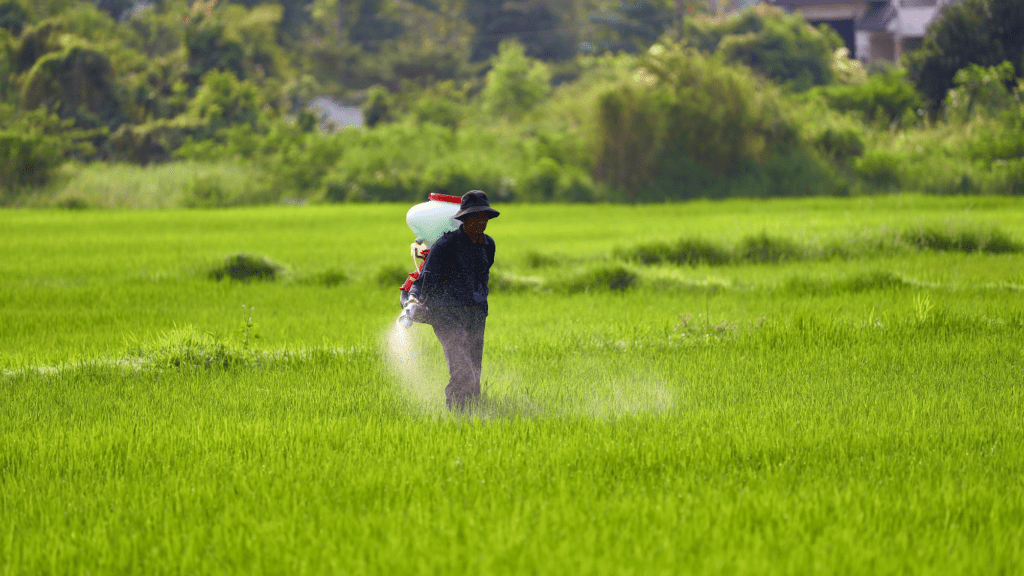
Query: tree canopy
point(982, 32)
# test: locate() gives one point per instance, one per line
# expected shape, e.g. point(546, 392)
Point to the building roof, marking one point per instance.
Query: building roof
point(913, 22)
point(877, 18)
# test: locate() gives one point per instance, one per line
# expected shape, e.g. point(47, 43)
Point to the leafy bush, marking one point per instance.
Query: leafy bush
point(441, 104)
point(879, 168)
point(841, 140)
point(515, 83)
point(783, 47)
point(33, 145)
point(378, 106)
point(546, 180)
point(979, 90)
point(204, 192)
point(886, 96)
point(27, 160)
point(222, 100)
point(77, 83)
point(684, 125)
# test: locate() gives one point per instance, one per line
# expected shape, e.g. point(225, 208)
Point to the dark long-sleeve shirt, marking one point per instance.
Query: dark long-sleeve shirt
point(456, 272)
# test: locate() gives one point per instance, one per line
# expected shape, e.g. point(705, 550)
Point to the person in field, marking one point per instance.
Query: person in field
point(453, 287)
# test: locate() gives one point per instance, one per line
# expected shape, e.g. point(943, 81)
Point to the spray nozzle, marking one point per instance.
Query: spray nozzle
point(411, 312)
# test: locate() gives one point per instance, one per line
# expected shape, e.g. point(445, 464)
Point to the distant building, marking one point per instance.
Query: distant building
point(872, 29)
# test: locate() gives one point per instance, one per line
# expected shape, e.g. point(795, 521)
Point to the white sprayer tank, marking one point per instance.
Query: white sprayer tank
point(431, 219)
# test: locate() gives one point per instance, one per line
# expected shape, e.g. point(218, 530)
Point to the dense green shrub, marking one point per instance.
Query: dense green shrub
point(378, 106)
point(979, 90)
point(33, 144)
point(880, 168)
point(838, 138)
point(27, 160)
point(443, 104)
point(886, 96)
point(685, 125)
point(223, 100)
point(783, 47)
point(77, 82)
point(515, 83)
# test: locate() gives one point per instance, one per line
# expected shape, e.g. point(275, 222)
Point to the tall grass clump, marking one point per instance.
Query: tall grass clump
point(993, 241)
point(185, 184)
point(613, 277)
point(684, 252)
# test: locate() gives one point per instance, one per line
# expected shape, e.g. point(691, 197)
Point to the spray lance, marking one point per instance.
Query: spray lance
point(429, 221)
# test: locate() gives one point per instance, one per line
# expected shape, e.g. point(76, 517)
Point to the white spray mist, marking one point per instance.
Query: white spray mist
point(418, 379)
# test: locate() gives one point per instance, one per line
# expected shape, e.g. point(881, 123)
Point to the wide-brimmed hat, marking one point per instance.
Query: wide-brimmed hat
point(473, 202)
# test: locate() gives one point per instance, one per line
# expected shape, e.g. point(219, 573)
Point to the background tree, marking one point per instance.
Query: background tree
point(982, 32)
point(780, 46)
point(515, 83)
point(633, 27)
point(13, 17)
point(117, 9)
point(544, 28)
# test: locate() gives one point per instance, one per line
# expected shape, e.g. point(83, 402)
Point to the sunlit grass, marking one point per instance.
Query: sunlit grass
point(859, 415)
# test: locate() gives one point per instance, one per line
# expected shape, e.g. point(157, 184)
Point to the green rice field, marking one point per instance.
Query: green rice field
point(806, 386)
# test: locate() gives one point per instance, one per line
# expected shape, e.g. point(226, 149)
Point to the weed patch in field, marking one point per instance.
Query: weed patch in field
point(765, 249)
point(392, 276)
point(684, 252)
point(863, 282)
point(993, 241)
point(613, 277)
point(247, 267)
point(330, 278)
point(536, 259)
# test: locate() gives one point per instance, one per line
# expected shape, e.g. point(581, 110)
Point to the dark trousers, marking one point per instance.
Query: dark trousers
point(461, 332)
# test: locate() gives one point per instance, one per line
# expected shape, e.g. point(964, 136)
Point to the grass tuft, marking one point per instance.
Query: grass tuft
point(863, 282)
point(536, 259)
point(247, 267)
point(763, 248)
point(686, 251)
point(330, 278)
point(993, 241)
point(613, 277)
point(392, 276)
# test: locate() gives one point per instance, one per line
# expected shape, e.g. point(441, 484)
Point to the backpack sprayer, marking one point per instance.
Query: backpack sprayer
point(428, 221)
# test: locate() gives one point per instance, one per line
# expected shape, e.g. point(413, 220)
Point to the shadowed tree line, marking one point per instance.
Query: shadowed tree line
point(627, 101)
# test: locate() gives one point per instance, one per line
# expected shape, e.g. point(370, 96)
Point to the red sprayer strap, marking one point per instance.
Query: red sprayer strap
point(412, 277)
